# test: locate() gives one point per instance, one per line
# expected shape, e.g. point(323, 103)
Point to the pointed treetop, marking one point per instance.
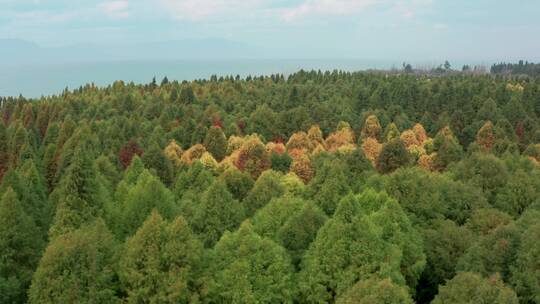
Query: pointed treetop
point(372, 128)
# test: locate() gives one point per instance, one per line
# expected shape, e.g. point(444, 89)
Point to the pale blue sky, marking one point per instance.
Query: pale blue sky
point(371, 29)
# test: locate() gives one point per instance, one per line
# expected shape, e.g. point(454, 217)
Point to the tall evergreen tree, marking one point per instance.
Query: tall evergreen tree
point(78, 198)
point(21, 244)
point(294, 98)
point(217, 212)
point(82, 139)
point(187, 96)
point(291, 222)
point(267, 186)
point(215, 142)
point(77, 267)
point(18, 140)
point(160, 262)
point(447, 148)
point(484, 171)
point(281, 162)
point(34, 193)
point(153, 158)
point(189, 186)
point(31, 191)
point(368, 235)
point(246, 268)
point(49, 165)
point(262, 121)
point(238, 183)
point(393, 156)
point(142, 197)
point(329, 186)
point(108, 171)
point(129, 179)
point(489, 111)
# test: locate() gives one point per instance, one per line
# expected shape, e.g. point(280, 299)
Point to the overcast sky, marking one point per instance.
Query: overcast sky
point(368, 29)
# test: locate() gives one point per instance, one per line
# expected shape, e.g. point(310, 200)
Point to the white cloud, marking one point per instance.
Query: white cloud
point(197, 10)
point(216, 11)
point(406, 9)
point(327, 7)
point(115, 9)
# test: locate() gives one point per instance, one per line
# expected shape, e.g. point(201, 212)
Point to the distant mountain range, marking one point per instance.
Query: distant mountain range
point(15, 51)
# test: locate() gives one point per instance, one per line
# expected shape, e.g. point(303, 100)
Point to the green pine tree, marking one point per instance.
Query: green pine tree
point(239, 183)
point(215, 142)
point(267, 186)
point(153, 158)
point(161, 262)
point(329, 186)
point(77, 267)
point(148, 193)
point(78, 198)
point(393, 156)
point(291, 222)
point(368, 235)
point(247, 268)
point(21, 244)
point(217, 212)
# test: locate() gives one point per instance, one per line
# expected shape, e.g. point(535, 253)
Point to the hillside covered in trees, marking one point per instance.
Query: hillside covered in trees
point(322, 187)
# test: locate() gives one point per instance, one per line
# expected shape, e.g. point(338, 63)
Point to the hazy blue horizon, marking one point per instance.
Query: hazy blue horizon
point(36, 79)
point(48, 45)
point(385, 29)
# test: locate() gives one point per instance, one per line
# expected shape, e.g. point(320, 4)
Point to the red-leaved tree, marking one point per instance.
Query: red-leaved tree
point(128, 151)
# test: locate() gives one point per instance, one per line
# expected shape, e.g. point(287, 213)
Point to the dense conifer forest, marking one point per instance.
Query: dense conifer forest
point(318, 187)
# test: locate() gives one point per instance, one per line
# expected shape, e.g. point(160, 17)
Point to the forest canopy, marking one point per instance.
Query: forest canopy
point(318, 187)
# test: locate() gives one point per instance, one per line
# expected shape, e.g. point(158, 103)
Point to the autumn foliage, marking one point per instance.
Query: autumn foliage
point(173, 152)
point(299, 140)
point(303, 169)
point(128, 151)
point(485, 137)
point(372, 128)
point(250, 191)
point(253, 157)
point(192, 154)
point(372, 148)
point(420, 133)
point(409, 138)
point(344, 136)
